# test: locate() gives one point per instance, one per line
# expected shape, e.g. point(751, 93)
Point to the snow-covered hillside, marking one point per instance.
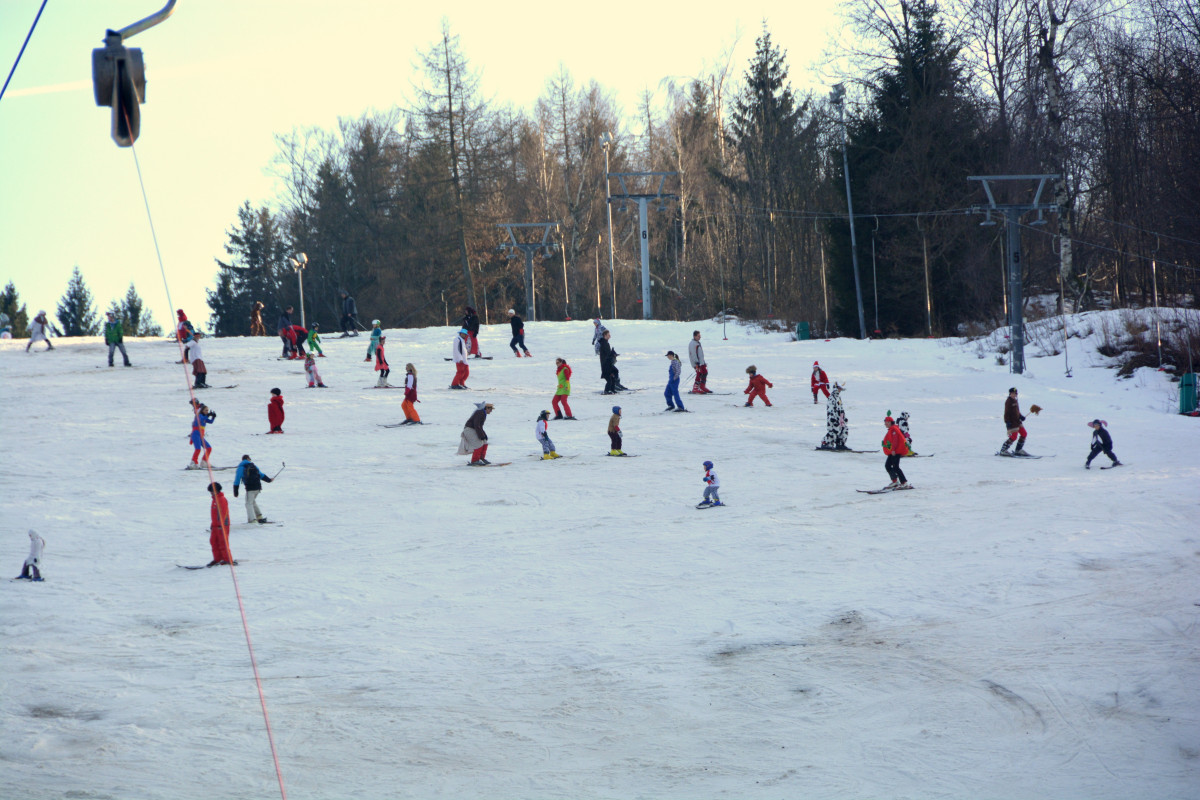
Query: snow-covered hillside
point(576, 628)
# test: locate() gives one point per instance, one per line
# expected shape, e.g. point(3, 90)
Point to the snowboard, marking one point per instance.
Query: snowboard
point(203, 566)
point(501, 464)
point(886, 489)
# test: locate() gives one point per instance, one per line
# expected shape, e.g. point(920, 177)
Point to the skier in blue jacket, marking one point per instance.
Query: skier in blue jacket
point(248, 473)
point(674, 401)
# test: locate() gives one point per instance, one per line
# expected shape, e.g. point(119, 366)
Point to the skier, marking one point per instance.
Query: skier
point(614, 432)
point(837, 424)
point(284, 326)
point(275, 411)
point(183, 328)
point(470, 322)
point(473, 440)
point(895, 448)
point(711, 485)
point(1013, 421)
point(218, 537)
point(114, 337)
point(820, 382)
point(376, 334)
point(542, 432)
point(458, 351)
point(5, 326)
point(202, 417)
point(249, 473)
point(1101, 443)
point(608, 364)
point(39, 331)
point(310, 369)
point(563, 372)
point(256, 323)
point(381, 365)
point(674, 371)
point(410, 396)
point(298, 336)
point(758, 386)
point(349, 315)
point(31, 570)
point(192, 354)
point(518, 334)
point(598, 334)
point(314, 340)
point(902, 424)
point(696, 356)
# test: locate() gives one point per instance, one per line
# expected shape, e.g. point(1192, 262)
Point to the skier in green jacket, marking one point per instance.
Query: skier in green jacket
point(114, 337)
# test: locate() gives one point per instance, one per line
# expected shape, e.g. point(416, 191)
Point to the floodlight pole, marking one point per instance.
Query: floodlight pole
point(1012, 218)
point(643, 223)
point(299, 263)
point(528, 248)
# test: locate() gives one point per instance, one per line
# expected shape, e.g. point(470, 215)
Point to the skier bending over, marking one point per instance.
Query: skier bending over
point(837, 425)
point(542, 432)
point(895, 448)
point(711, 485)
point(473, 440)
point(31, 571)
point(1101, 443)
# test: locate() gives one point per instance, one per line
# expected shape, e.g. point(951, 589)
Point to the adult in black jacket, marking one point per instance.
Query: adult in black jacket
point(282, 327)
point(349, 316)
point(248, 474)
point(518, 331)
point(608, 365)
point(470, 323)
point(1101, 443)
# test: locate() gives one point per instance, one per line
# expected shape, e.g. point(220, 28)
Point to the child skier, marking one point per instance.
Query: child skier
point(711, 485)
point(819, 382)
point(381, 365)
point(542, 431)
point(895, 448)
point(275, 411)
point(563, 373)
point(837, 425)
point(202, 416)
point(1101, 443)
point(614, 432)
point(314, 340)
point(193, 355)
point(902, 424)
point(249, 473)
point(218, 537)
point(410, 396)
point(31, 571)
point(758, 386)
point(376, 335)
point(310, 369)
point(674, 373)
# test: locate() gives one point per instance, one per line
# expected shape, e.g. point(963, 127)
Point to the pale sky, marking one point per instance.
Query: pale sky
point(225, 76)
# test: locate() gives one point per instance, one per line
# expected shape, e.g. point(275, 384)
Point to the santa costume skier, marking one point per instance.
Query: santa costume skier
point(837, 427)
point(820, 382)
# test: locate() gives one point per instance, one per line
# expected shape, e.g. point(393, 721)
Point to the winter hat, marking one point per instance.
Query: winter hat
point(374, 322)
point(245, 457)
point(464, 331)
point(708, 465)
point(315, 325)
point(488, 406)
point(1098, 422)
point(888, 419)
point(480, 406)
point(616, 409)
point(512, 313)
point(816, 365)
point(596, 320)
point(750, 370)
point(276, 391)
point(544, 415)
point(214, 486)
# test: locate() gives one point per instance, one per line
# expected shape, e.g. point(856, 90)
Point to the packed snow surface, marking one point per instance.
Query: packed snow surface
point(576, 628)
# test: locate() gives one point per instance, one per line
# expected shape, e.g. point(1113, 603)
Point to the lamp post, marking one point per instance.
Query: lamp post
point(606, 141)
point(299, 263)
point(837, 97)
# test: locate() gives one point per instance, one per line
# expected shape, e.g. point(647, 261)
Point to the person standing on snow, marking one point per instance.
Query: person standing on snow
point(674, 371)
point(474, 440)
point(458, 353)
point(193, 355)
point(837, 425)
point(314, 340)
point(1014, 422)
point(114, 337)
point(470, 323)
point(518, 334)
point(183, 328)
point(1101, 443)
point(349, 315)
point(563, 372)
point(256, 323)
point(381, 365)
point(758, 386)
point(284, 326)
point(696, 356)
point(614, 432)
point(39, 331)
point(598, 334)
point(902, 424)
point(275, 411)
point(202, 417)
point(608, 364)
point(542, 433)
point(218, 536)
point(376, 333)
point(310, 370)
point(820, 382)
point(248, 473)
point(712, 485)
point(410, 396)
point(31, 570)
point(894, 447)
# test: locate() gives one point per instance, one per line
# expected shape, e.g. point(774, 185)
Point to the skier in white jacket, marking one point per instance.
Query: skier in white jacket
point(32, 569)
point(458, 352)
point(39, 331)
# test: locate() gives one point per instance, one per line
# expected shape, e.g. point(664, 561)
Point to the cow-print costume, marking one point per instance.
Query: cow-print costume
point(902, 423)
point(835, 421)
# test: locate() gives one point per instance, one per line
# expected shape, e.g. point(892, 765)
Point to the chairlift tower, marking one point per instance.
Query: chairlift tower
point(643, 200)
point(1012, 218)
point(512, 246)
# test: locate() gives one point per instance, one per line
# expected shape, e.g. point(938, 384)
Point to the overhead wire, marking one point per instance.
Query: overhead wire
point(23, 46)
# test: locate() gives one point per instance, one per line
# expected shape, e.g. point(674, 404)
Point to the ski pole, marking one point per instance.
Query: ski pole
point(276, 475)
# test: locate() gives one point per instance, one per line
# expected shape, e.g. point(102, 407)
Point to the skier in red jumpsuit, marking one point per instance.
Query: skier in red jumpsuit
point(218, 539)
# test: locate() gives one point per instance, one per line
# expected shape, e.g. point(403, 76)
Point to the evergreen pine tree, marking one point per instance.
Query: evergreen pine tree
point(136, 319)
point(10, 304)
point(255, 271)
point(76, 312)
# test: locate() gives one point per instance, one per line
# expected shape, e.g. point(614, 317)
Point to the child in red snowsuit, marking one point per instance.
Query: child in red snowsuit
point(218, 537)
point(275, 411)
point(758, 386)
